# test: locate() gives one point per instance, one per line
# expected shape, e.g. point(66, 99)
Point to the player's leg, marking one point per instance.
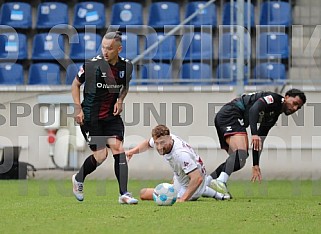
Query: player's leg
point(211, 193)
point(236, 160)
point(97, 144)
point(116, 128)
point(120, 163)
point(146, 194)
point(233, 138)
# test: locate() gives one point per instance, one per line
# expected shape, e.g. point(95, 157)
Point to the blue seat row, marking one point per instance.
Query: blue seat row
point(49, 46)
point(155, 73)
point(201, 74)
point(55, 14)
point(195, 46)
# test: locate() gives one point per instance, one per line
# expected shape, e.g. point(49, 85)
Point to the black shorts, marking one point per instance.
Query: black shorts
point(229, 121)
point(97, 133)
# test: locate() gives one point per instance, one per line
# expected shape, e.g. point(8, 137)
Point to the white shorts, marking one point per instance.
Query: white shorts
point(182, 189)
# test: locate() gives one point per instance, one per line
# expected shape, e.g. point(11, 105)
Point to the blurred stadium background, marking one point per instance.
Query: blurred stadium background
point(184, 71)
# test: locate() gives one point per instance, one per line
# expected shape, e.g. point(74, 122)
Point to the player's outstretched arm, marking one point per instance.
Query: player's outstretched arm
point(140, 148)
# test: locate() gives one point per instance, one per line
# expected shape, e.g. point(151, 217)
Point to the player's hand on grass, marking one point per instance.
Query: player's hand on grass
point(256, 143)
point(180, 200)
point(256, 174)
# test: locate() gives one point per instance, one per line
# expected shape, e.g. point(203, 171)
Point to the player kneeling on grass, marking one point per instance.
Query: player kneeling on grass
point(263, 109)
point(189, 171)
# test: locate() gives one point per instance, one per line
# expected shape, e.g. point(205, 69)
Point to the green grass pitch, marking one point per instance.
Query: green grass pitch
point(40, 206)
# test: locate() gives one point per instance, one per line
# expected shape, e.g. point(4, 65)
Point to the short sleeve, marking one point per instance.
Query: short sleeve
point(186, 163)
point(81, 74)
point(151, 142)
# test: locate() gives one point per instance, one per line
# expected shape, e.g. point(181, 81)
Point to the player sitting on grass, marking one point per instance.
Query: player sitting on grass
point(263, 108)
point(189, 171)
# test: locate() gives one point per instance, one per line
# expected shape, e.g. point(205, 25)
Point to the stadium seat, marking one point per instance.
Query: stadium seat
point(157, 71)
point(276, 13)
point(13, 46)
point(11, 74)
point(248, 16)
point(72, 71)
point(127, 13)
point(207, 16)
point(163, 13)
point(197, 46)
point(164, 51)
point(270, 73)
point(197, 73)
point(228, 45)
point(16, 14)
point(84, 46)
point(226, 73)
point(44, 74)
point(52, 14)
point(48, 46)
point(89, 14)
point(130, 44)
point(273, 45)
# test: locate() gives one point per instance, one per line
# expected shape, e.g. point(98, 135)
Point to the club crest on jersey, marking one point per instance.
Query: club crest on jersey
point(269, 99)
point(121, 74)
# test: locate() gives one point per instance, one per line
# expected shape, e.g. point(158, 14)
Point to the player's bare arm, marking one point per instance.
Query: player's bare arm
point(75, 92)
point(142, 147)
point(195, 181)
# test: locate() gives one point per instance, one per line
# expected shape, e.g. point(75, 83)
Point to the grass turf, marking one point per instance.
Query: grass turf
point(38, 206)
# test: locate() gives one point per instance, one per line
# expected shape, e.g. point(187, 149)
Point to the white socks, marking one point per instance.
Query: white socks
point(223, 177)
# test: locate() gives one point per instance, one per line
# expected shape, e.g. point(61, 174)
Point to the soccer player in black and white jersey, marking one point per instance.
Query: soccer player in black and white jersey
point(189, 171)
point(106, 79)
point(263, 109)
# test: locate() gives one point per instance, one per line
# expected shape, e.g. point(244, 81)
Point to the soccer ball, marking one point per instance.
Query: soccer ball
point(165, 194)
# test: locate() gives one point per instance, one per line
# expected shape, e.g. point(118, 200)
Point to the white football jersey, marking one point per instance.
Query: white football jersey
point(183, 160)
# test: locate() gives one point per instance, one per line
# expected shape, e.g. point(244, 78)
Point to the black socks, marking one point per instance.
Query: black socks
point(88, 167)
point(121, 171)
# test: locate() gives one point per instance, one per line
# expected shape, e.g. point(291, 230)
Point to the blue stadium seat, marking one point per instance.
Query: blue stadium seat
point(44, 74)
point(273, 45)
point(89, 14)
point(48, 46)
point(13, 46)
point(228, 45)
point(207, 16)
point(52, 14)
point(16, 14)
point(270, 73)
point(72, 71)
point(226, 73)
point(130, 44)
point(228, 20)
point(276, 13)
point(11, 74)
point(157, 71)
point(198, 73)
point(127, 13)
point(165, 51)
point(197, 46)
point(163, 13)
point(84, 46)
